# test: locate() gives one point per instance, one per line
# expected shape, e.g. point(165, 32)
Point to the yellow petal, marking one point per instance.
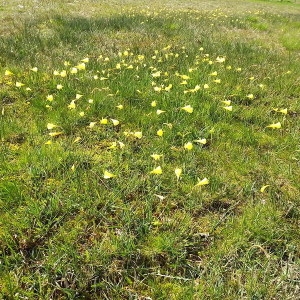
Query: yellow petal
point(92, 124)
point(53, 134)
point(160, 132)
point(283, 111)
point(77, 139)
point(229, 108)
point(115, 122)
point(103, 121)
point(49, 98)
point(226, 102)
point(159, 111)
point(201, 141)
point(35, 69)
point(8, 73)
point(138, 134)
point(153, 103)
point(50, 126)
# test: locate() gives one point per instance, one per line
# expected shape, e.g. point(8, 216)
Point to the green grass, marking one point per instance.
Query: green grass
point(67, 232)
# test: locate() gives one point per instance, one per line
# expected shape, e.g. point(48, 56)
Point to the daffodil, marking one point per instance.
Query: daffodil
point(115, 122)
point(250, 96)
point(81, 114)
point(63, 73)
point(49, 142)
point(202, 182)
point(275, 125)
point(74, 70)
point(263, 188)
point(201, 141)
point(178, 173)
point(120, 106)
point(160, 132)
point(8, 73)
point(72, 105)
point(226, 102)
point(157, 171)
point(50, 98)
point(51, 126)
point(159, 111)
point(56, 133)
point(78, 96)
point(103, 121)
point(153, 103)
point(229, 108)
point(138, 134)
point(156, 156)
point(188, 109)
point(34, 69)
point(85, 60)
point(206, 86)
point(19, 84)
point(188, 146)
point(59, 86)
point(107, 175)
point(92, 124)
point(76, 140)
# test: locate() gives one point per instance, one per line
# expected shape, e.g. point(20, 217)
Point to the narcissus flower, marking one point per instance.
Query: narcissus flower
point(160, 132)
point(201, 141)
point(157, 171)
point(115, 122)
point(92, 124)
point(226, 102)
point(59, 86)
point(53, 134)
point(19, 84)
point(50, 98)
point(263, 188)
point(8, 73)
point(159, 111)
point(156, 156)
point(107, 175)
point(153, 103)
point(138, 134)
point(188, 146)
point(103, 121)
point(229, 108)
point(72, 105)
point(178, 173)
point(51, 126)
point(120, 106)
point(275, 125)
point(34, 69)
point(188, 109)
point(204, 181)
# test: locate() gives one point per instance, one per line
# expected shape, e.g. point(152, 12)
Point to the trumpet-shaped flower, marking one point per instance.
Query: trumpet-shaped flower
point(50, 98)
point(153, 103)
point(229, 108)
point(160, 132)
point(263, 188)
point(92, 124)
point(188, 146)
point(178, 173)
point(8, 73)
point(59, 86)
point(103, 121)
point(204, 181)
point(156, 156)
point(19, 84)
point(138, 134)
point(51, 126)
point(188, 109)
point(201, 141)
point(226, 102)
point(275, 125)
point(157, 171)
point(34, 69)
point(56, 133)
point(107, 175)
point(159, 111)
point(72, 105)
point(120, 106)
point(115, 122)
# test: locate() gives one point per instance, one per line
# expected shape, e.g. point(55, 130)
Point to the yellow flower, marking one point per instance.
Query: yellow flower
point(217, 80)
point(120, 106)
point(157, 171)
point(160, 132)
point(59, 86)
point(206, 86)
point(107, 175)
point(103, 121)
point(229, 108)
point(78, 96)
point(73, 168)
point(178, 173)
point(49, 98)
point(250, 96)
point(19, 84)
point(92, 124)
point(85, 60)
point(81, 66)
point(63, 73)
point(81, 114)
point(204, 181)
point(53, 134)
point(188, 146)
point(8, 73)
point(51, 126)
point(159, 111)
point(77, 139)
point(74, 70)
point(72, 105)
point(138, 134)
point(90, 101)
point(262, 189)
point(153, 103)
point(184, 77)
point(214, 73)
point(49, 142)
point(156, 156)
point(283, 111)
point(226, 102)
point(34, 69)
point(115, 122)
point(168, 88)
point(201, 141)
point(187, 108)
point(275, 125)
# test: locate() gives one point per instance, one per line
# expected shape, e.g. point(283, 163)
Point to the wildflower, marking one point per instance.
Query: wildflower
point(188, 146)
point(153, 103)
point(204, 181)
point(77, 139)
point(103, 121)
point(8, 73)
point(73, 70)
point(215, 73)
point(156, 156)
point(226, 102)
point(138, 134)
point(107, 175)
point(188, 109)
point(120, 106)
point(34, 69)
point(85, 60)
point(81, 114)
point(115, 122)
point(51, 126)
point(275, 125)
point(92, 124)
point(201, 141)
point(59, 86)
point(63, 73)
point(229, 108)
point(157, 171)
point(53, 134)
point(178, 173)
point(206, 86)
point(78, 96)
point(160, 132)
point(81, 66)
point(49, 142)
point(49, 98)
point(19, 84)
point(159, 111)
point(72, 105)
point(263, 188)
point(250, 96)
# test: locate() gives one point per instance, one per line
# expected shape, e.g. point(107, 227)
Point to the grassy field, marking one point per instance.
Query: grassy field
point(149, 150)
